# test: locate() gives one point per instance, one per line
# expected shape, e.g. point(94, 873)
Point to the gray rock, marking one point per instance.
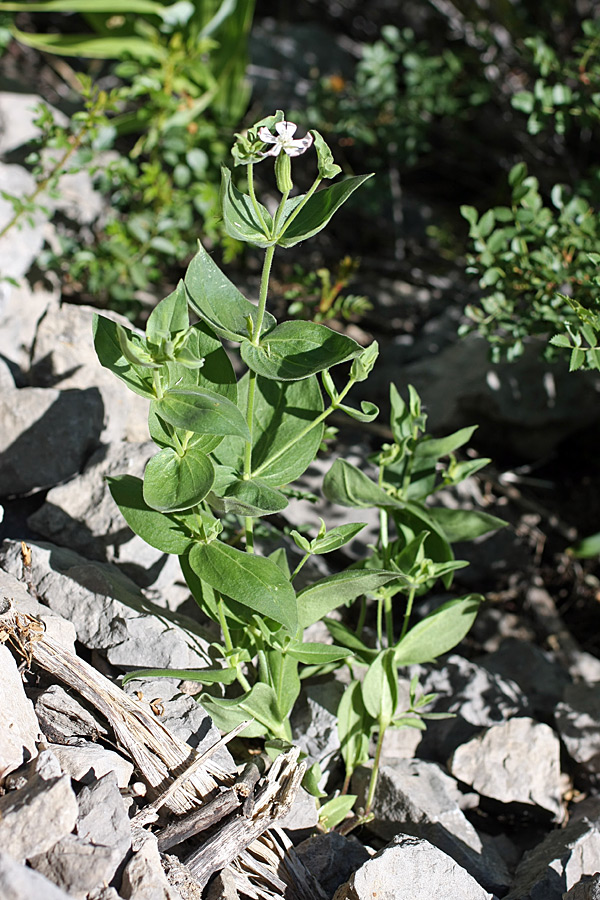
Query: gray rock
point(103, 819)
point(62, 717)
point(314, 721)
point(19, 728)
point(222, 886)
point(578, 722)
point(46, 765)
point(17, 119)
point(46, 436)
point(21, 308)
point(76, 865)
point(303, 816)
point(64, 356)
point(557, 863)
point(34, 818)
point(108, 610)
point(476, 697)
point(417, 797)
point(541, 679)
point(20, 883)
point(332, 858)
point(516, 762)
point(21, 245)
point(585, 889)
point(144, 878)
point(58, 628)
point(410, 868)
point(87, 762)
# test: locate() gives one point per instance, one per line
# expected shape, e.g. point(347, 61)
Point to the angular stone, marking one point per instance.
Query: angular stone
point(516, 762)
point(144, 878)
point(103, 819)
point(541, 679)
point(410, 868)
point(58, 628)
point(19, 728)
point(46, 436)
point(557, 863)
point(304, 814)
point(476, 698)
point(87, 762)
point(417, 797)
point(585, 889)
point(109, 611)
point(18, 882)
point(578, 722)
point(64, 357)
point(62, 717)
point(314, 721)
point(34, 818)
point(75, 865)
point(21, 308)
point(20, 245)
point(332, 858)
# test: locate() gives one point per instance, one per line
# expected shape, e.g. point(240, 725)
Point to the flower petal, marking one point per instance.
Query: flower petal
point(286, 129)
point(266, 136)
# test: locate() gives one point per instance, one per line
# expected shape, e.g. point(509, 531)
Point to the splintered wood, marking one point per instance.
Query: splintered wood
point(188, 790)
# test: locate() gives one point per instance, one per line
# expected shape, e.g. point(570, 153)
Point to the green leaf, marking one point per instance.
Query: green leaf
point(586, 548)
point(380, 687)
point(208, 601)
point(252, 497)
point(92, 47)
point(368, 413)
point(218, 302)
point(470, 214)
point(204, 676)
point(283, 674)
point(143, 7)
point(227, 714)
point(240, 216)
point(345, 484)
point(438, 632)
point(200, 410)
point(108, 348)
point(336, 537)
point(335, 810)
point(282, 412)
point(354, 727)
point(313, 654)
point(327, 167)
point(347, 638)
point(433, 448)
point(328, 593)
point(253, 581)
point(517, 174)
point(159, 530)
point(316, 212)
point(174, 482)
point(169, 317)
point(294, 350)
point(464, 524)
point(577, 359)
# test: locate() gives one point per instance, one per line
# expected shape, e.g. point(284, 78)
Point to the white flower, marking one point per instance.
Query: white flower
point(284, 140)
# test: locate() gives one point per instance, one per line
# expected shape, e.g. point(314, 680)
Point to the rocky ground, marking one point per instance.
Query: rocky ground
point(501, 801)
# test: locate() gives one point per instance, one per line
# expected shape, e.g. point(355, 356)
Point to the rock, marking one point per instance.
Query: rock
point(21, 245)
point(87, 762)
point(109, 611)
point(17, 119)
point(410, 868)
point(34, 818)
point(21, 308)
point(64, 356)
point(332, 858)
point(585, 889)
point(303, 816)
point(20, 883)
point(417, 797)
point(516, 762)
point(62, 717)
point(103, 819)
point(76, 865)
point(222, 886)
point(57, 628)
point(46, 436)
point(314, 721)
point(144, 878)
point(19, 728)
point(557, 863)
point(476, 697)
point(541, 679)
point(578, 723)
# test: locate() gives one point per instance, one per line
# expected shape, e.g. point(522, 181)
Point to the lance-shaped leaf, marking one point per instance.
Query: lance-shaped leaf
point(316, 212)
point(247, 497)
point(200, 410)
point(218, 302)
point(464, 524)
point(380, 688)
point(92, 47)
point(336, 537)
point(324, 595)
point(174, 482)
point(282, 448)
point(436, 447)
point(208, 600)
point(354, 727)
point(240, 216)
point(294, 350)
point(438, 632)
point(327, 167)
point(347, 485)
point(159, 530)
point(259, 704)
point(343, 635)
point(204, 676)
point(169, 317)
point(253, 581)
point(108, 348)
point(368, 411)
point(313, 654)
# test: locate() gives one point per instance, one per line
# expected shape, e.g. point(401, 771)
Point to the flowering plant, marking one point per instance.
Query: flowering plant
point(231, 447)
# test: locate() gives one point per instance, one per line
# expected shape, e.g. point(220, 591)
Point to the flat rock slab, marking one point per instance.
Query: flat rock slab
point(86, 762)
point(539, 676)
point(332, 858)
point(558, 863)
point(62, 717)
point(586, 889)
point(516, 762)
point(34, 818)
point(578, 722)
point(20, 883)
point(411, 868)
point(58, 628)
point(144, 878)
point(103, 819)
point(19, 727)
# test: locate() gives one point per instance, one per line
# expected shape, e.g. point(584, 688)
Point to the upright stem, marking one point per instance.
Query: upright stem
point(375, 770)
point(407, 614)
point(255, 204)
point(244, 683)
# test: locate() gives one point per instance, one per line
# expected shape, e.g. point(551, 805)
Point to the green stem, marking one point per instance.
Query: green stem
point(243, 681)
point(407, 614)
point(278, 215)
point(380, 623)
point(299, 566)
point(375, 770)
point(300, 206)
point(156, 381)
point(257, 208)
point(264, 289)
point(249, 531)
point(362, 617)
point(389, 620)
